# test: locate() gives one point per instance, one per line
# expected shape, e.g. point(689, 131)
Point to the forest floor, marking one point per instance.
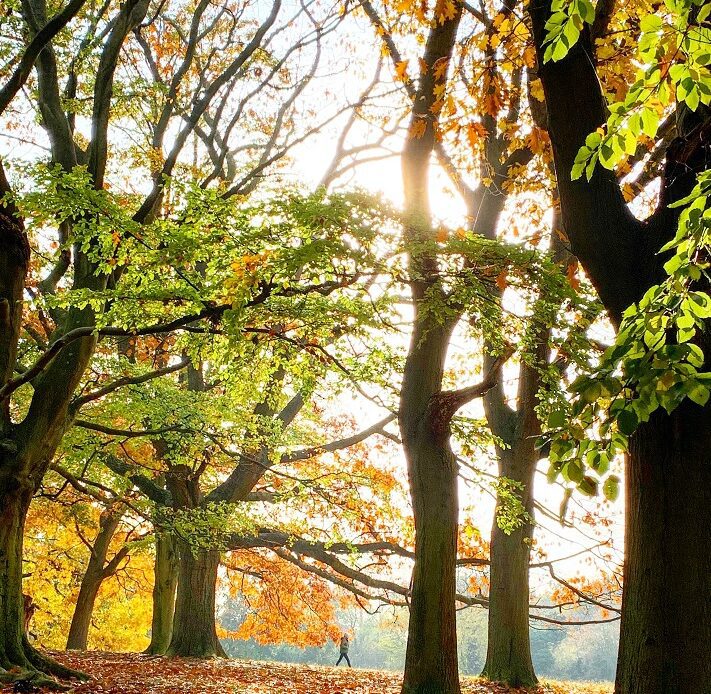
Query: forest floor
point(131, 673)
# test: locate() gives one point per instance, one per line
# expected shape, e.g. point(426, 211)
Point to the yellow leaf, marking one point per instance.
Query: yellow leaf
point(417, 129)
point(572, 275)
point(628, 192)
point(529, 56)
point(537, 140)
point(401, 71)
point(537, 90)
point(440, 68)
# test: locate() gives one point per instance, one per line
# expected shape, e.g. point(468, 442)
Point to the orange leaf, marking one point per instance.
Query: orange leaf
point(401, 71)
point(417, 129)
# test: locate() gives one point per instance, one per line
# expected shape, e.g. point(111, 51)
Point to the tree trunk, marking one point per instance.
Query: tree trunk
point(165, 574)
point(194, 633)
point(665, 640)
point(94, 576)
point(508, 654)
point(431, 658)
point(83, 611)
point(14, 502)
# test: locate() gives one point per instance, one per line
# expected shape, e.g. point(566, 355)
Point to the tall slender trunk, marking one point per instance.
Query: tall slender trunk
point(665, 640)
point(508, 654)
point(431, 659)
point(83, 611)
point(431, 656)
point(194, 633)
point(165, 574)
point(94, 576)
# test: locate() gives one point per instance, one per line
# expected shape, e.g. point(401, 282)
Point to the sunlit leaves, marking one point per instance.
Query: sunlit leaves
point(564, 26)
point(673, 56)
point(656, 360)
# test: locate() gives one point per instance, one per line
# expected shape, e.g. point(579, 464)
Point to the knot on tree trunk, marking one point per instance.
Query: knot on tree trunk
point(444, 405)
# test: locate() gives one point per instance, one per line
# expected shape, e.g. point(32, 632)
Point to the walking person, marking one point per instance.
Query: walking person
point(345, 644)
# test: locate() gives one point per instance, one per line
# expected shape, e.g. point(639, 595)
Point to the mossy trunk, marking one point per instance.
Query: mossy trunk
point(194, 633)
point(508, 654)
point(14, 502)
point(165, 583)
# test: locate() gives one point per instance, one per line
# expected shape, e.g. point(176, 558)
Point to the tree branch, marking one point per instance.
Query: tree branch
point(79, 402)
point(22, 72)
point(306, 453)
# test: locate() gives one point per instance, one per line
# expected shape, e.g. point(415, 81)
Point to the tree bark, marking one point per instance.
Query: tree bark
point(83, 611)
point(665, 639)
point(431, 658)
point(194, 633)
point(165, 583)
point(15, 497)
point(508, 654)
point(94, 576)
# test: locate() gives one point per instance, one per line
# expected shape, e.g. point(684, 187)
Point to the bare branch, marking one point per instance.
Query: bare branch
point(340, 444)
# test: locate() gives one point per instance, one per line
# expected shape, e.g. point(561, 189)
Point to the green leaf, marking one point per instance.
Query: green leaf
point(650, 23)
point(588, 485)
point(574, 471)
point(611, 488)
point(627, 421)
point(557, 419)
point(699, 394)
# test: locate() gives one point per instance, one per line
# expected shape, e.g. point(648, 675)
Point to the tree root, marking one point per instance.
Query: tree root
point(51, 667)
point(30, 680)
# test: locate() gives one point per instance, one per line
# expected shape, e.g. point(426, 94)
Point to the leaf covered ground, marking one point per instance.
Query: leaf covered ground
point(131, 673)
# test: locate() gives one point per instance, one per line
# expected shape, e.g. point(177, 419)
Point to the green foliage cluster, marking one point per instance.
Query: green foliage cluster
point(674, 53)
point(656, 360)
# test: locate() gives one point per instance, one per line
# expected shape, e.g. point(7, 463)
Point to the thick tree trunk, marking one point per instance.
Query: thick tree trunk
point(14, 502)
point(508, 655)
point(431, 657)
point(194, 633)
point(165, 582)
point(665, 641)
point(431, 661)
point(666, 612)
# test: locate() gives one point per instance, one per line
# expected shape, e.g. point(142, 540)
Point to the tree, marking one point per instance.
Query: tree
point(98, 569)
point(665, 628)
point(493, 94)
point(87, 263)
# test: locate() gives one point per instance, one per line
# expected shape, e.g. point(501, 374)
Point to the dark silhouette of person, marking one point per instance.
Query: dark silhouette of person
point(345, 644)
